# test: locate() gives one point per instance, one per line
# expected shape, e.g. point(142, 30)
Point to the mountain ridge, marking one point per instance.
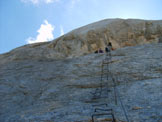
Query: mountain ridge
point(89, 38)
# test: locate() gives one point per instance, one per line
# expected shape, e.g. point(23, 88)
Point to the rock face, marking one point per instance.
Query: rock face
point(53, 81)
point(120, 32)
point(60, 90)
point(91, 37)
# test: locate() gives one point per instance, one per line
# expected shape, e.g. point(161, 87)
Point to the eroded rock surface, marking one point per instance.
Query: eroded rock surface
point(91, 37)
point(59, 90)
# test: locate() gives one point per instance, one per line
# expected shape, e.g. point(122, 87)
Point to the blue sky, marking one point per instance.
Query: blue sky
point(29, 21)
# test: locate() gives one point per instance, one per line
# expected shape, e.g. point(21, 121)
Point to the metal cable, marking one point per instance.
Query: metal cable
point(122, 106)
point(117, 94)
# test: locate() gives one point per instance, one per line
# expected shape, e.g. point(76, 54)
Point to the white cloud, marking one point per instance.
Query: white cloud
point(73, 3)
point(32, 1)
point(39, 1)
point(45, 33)
point(61, 30)
point(51, 1)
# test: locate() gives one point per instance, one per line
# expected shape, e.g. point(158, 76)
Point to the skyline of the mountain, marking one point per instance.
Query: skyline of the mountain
point(29, 21)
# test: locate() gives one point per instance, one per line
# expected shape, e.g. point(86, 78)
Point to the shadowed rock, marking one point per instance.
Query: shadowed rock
point(54, 81)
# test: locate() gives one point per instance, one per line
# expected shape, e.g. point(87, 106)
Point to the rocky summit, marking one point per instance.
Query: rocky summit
point(91, 37)
point(56, 81)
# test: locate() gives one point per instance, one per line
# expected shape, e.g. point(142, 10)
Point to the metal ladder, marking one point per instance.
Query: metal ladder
point(102, 109)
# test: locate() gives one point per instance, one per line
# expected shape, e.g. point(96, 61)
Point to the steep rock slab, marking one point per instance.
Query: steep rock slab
point(60, 90)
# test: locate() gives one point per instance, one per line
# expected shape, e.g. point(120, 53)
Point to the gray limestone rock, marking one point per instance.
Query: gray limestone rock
point(54, 81)
point(59, 90)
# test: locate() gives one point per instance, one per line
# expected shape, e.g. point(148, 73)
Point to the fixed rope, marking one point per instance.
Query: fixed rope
point(102, 108)
point(122, 106)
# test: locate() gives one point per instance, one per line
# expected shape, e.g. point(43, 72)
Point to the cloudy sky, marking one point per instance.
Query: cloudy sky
point(30, 21)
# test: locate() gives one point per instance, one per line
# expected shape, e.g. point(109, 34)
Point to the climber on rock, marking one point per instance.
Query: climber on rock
point(96, 51)
point(108, 48)
point(100, 50)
